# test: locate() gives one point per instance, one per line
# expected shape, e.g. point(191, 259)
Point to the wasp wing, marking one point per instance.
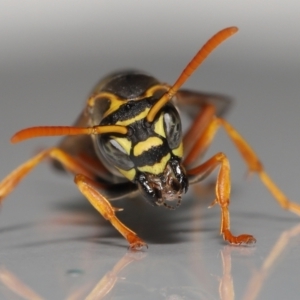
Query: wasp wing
point(190, 102)
point(191, 105)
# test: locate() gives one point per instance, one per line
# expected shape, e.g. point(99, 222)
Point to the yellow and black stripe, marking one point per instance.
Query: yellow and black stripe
point(146, 145)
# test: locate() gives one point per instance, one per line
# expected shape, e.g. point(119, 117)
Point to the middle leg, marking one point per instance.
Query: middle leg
point(251, 159)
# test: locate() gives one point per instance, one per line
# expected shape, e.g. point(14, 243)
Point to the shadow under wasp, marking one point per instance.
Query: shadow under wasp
point(129, 140)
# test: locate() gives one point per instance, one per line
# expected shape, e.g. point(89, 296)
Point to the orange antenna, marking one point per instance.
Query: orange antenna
point(40, 131)
point(210, 45)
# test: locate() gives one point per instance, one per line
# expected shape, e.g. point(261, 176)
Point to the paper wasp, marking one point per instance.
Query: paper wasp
point(129, 140)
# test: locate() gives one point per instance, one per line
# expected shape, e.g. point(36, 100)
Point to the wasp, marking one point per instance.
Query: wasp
point(128, 140)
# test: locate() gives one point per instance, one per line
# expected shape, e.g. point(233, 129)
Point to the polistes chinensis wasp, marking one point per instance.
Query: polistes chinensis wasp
point(129, 140)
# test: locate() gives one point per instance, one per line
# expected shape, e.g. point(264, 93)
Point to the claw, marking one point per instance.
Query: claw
point(243, 239)
point(135, 243)
point(246, 239)
point(138, 246)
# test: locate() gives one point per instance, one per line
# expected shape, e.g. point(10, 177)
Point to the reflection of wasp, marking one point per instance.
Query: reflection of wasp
point(112, 283)
point(128, 139)
point(105, 285)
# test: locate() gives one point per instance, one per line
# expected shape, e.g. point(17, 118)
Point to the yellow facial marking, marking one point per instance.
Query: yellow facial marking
point(157, 168)
point(159, 126)
point(115, 102)
point(146, 145)
point(159, 87)
point(178, 151)
point(130, 174)
point(93, 98)
point(124, 142)
point(140, 116)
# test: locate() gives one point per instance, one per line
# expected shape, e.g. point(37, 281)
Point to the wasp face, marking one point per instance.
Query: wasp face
point(150, 154)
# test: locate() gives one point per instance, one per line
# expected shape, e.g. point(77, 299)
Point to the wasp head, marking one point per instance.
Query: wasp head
point(150, 154)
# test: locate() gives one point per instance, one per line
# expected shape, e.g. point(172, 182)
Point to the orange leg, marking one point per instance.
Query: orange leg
point(70, 163)
point(86, 186)
point(222, 194)
point(249, 156)
point(102, 205)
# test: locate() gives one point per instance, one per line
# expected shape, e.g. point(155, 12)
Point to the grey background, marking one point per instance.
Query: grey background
point(53, 242)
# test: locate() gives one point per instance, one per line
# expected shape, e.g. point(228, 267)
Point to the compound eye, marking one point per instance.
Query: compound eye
point(115, 154)
point(172, 126)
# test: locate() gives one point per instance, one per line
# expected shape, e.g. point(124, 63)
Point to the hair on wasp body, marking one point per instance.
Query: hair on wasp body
point(129, 140)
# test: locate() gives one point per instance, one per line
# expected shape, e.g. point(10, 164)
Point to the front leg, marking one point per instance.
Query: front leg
point(70, 163)
point(103, 206)
point(223, 187)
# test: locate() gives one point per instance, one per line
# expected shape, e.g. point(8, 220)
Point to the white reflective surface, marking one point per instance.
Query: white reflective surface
point(53, 245)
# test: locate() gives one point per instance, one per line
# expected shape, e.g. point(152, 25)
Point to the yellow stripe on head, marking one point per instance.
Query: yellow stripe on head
point(143, 146)
point(157, 168)
point(163, 88)
point(115, 102)
point(178, 151)
point(130, 174)
point(159, 126)
point(140, 116)
point(124, 142)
